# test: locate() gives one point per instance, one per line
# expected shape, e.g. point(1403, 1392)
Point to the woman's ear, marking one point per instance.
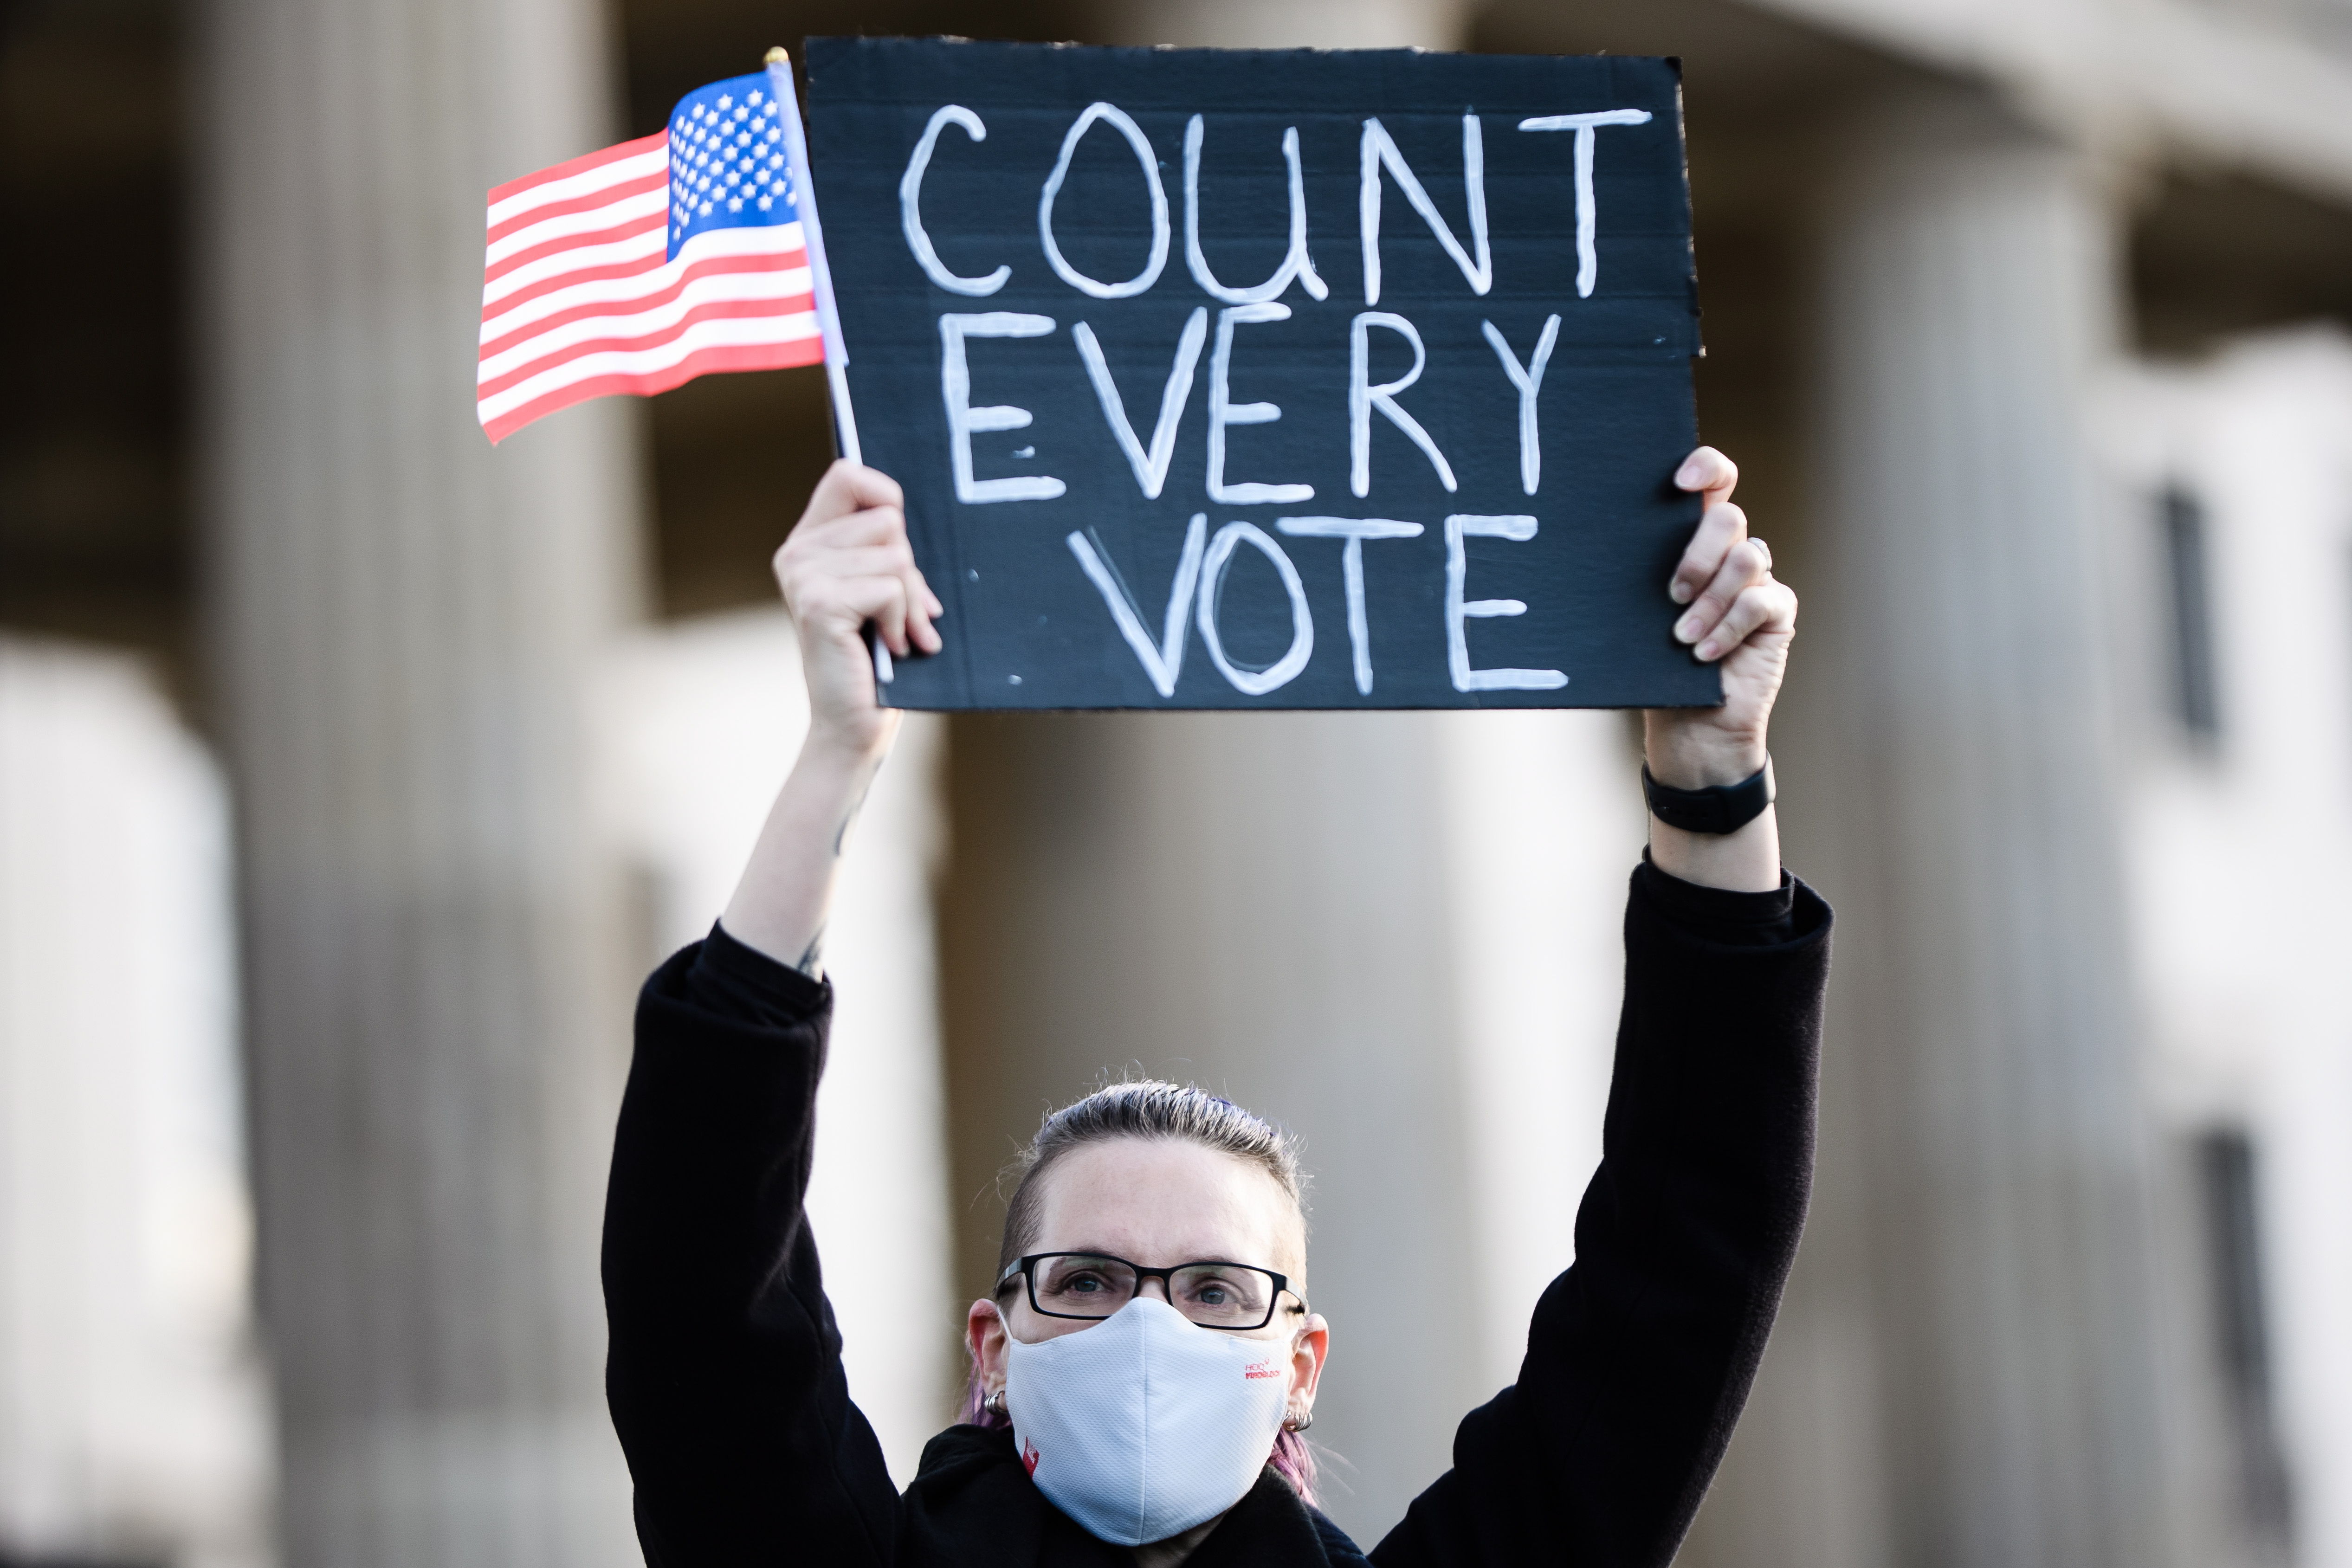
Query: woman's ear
point(1306, 1355)
point(984, 1332)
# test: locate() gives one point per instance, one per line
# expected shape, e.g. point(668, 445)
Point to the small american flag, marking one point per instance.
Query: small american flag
point(642, 266)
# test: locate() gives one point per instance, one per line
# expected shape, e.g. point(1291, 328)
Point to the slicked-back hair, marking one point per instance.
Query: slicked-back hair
point(1151, 1110)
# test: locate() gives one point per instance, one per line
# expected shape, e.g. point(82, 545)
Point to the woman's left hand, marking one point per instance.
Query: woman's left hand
point(1739, 616)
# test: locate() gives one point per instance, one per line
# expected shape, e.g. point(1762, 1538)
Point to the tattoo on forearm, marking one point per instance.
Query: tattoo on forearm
point(849, 818)
point(811, 959)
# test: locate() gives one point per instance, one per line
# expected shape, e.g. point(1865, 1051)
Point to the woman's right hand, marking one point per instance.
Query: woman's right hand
point(847, 562)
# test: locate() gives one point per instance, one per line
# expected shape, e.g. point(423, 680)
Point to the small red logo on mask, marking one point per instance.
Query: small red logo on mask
point(1029, 1456)
point(1261, 1369)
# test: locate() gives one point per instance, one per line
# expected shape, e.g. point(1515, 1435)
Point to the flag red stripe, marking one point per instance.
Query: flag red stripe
point(772, 261)
point(574, 242)
point(635, 343)
point(742, 357)
point(579, 165)
point(653, 263)
point(588, 202)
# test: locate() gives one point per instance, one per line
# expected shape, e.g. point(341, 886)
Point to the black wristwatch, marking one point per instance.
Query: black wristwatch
point(1724, 808)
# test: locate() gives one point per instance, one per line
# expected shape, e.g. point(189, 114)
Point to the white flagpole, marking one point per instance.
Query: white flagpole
point(836, 353)
point(828, 319)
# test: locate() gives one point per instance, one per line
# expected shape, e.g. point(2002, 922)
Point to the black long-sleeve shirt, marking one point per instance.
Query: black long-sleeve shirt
point(725, 1374)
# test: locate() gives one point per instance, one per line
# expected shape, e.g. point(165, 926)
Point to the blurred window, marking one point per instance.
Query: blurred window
point(2196, 687)
point(2242, 1333)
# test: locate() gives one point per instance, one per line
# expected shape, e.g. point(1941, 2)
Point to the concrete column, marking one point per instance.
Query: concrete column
point(1257, 905)
point(405, 618)
point(1395, 934)
point(1974, 1300)
point(1286, 23)
point(133, 1426)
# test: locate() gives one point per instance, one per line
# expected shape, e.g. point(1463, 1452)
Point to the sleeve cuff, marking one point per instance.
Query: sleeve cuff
point(1739, 919)
point(738, 981)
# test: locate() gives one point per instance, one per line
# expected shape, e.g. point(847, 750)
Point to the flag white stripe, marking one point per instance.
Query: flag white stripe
point(788, 284)
point(724, 332)
point(780, 240)
point(635, 247)
point(643, 204)
point(586, 182)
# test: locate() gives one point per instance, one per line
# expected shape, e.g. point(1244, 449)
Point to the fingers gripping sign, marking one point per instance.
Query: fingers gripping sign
point(845, 564)
point(1741, 619)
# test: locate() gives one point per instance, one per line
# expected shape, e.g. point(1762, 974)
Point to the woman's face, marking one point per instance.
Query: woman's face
point(1160, 1202)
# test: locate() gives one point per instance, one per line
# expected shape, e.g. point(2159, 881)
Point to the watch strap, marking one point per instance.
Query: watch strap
point(1722, 809)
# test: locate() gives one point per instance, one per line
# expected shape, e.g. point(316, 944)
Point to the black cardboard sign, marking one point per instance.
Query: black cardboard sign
point(1234, 379)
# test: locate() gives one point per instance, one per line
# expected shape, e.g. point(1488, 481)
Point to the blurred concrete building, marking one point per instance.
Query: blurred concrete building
point(133, 1422)
point(2027, 322)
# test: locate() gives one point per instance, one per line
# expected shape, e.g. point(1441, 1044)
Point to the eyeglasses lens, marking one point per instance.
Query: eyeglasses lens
point(1214, 1295)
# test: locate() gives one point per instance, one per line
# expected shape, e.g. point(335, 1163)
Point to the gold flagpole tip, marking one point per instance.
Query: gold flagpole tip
point(779, 56)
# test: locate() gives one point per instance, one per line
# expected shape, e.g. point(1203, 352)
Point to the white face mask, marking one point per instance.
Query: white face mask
point(1146, 1424)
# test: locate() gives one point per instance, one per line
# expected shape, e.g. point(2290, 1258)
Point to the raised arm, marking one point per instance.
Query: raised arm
point(724, 1374)
point(1640, 1356)
point(846, 565)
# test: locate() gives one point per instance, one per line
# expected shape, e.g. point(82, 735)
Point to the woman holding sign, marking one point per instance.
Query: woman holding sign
point(1144, 1366)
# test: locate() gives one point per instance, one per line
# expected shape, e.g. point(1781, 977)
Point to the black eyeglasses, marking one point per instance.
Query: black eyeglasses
point(1094, 1285)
